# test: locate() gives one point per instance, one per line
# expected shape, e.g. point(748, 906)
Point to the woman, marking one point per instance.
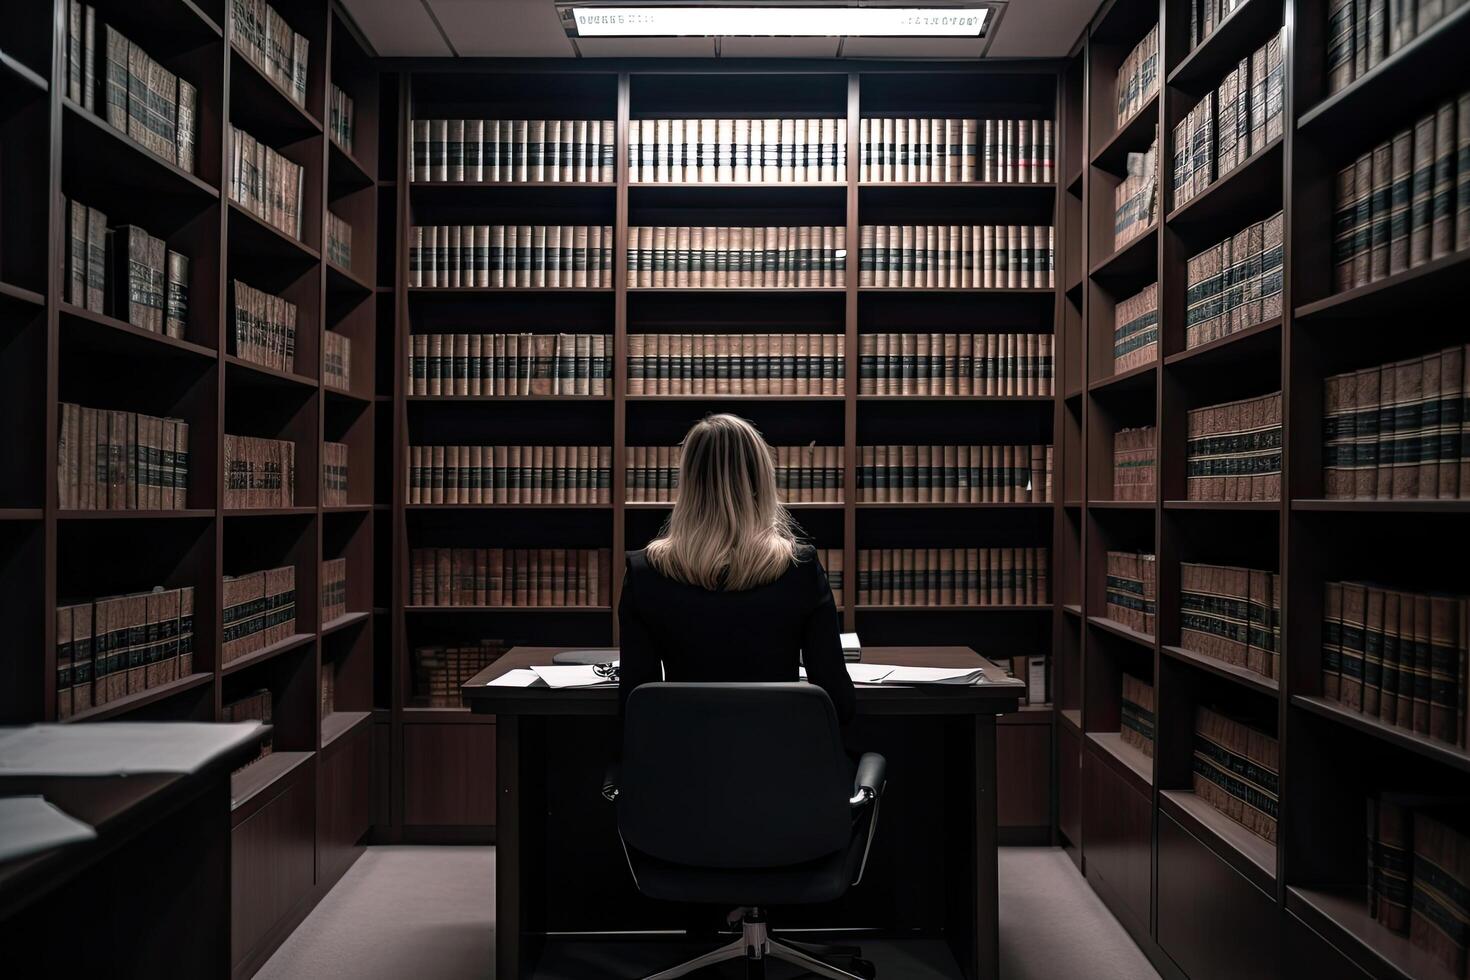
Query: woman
point(726, 592)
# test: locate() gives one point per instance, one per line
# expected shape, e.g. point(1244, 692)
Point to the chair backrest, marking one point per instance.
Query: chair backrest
point(733, 775)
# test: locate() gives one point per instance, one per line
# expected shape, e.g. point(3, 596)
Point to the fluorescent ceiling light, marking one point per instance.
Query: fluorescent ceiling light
point(616, 20)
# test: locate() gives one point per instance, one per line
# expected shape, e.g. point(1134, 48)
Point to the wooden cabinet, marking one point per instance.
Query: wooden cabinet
point(1023, 777)
point(449, 774)
point(346, 802)
point(1119, 847)
point(272, 869)
point(1212, 922)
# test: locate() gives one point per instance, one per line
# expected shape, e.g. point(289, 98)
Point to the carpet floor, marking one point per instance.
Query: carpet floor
point(428, 913)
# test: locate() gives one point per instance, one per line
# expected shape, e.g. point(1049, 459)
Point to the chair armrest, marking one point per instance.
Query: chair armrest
point(610, 780)
point(872, 775)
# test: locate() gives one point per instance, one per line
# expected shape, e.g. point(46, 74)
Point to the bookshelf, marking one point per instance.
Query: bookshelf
point(428, 803)
point(1177, 872)
point(316, 785)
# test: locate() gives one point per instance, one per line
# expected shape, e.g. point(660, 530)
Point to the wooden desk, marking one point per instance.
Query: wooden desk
point(931, 872)
point(150, 896)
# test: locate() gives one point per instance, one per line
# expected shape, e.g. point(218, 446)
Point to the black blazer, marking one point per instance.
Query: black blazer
point(677, 632)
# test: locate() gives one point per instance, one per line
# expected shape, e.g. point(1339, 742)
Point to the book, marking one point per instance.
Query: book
point(1237, 771)
point(259, 473)
point(268, 42)
point(1131, 590)
point(976, 576)
point(549, 577)
point(1136, 330)
point(117, 460)
point(1234, 450)
point(1136, 714)
point(510, 150)
point(509, 475)
point(1135, 463)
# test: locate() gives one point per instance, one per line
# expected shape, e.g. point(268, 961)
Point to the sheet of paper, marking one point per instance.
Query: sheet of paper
point(849, 641)
point(559, 676)
point(861, 673)
point(517, 677)
point(112, 748)
point(933, 675)
point(31, 824)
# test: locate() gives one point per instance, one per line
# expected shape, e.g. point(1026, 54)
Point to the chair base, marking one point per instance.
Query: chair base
point(755, 946)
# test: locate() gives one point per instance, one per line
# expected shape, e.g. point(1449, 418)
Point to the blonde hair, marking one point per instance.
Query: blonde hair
point(728, 529)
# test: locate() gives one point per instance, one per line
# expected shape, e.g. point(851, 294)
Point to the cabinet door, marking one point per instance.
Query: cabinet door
point(1023, 775)
point(449, 775)
point(1118, 845)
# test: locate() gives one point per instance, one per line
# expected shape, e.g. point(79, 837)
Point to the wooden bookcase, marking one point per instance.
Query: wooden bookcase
point(1200, 894)
point(444, 751)
point(301, 812)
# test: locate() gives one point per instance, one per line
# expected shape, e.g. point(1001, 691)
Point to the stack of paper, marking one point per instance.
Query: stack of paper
point(934, 675)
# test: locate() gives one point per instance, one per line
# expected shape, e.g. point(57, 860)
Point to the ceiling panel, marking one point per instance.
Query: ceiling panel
point(1041, 28)
point(502, 28)
point(779, 47)
point(914, 47)
point(647, 47)
point(398, 27)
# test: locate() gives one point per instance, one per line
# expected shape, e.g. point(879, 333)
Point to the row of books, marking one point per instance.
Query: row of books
point(1132, 590)
point(265, 183)
point(259, 610)
point(738, 364)
point(1229, 125)
point(336, 360)
point(1360, 35)
point(334, 593)
point(265, 328)
point(550, 151)
point(804, 474)
point(1232, 615)
point(1234, 450)
point(259, 473)
point(1398, 656)
point(1136, 329)
point(1237, 770)
point(955, 364)
point(154, 107)
point(1138, 77)
point(339, 241)
point(1419, 871)
point(510, 475)
point(1136, 714)
point(440, 671)
point(125, 272)
point(1135, 463)
point(1399, 431)
point(253, 707)
point(957, 256)
point(269, 43)
point(1007, 151)
point(341, 119)
point(952, 577)
point(737, 151)
point(334, 474)
point(1136, 198)
point(115, 646)
point(116, 460)
point(1235, 284)
point(549, 577)
point(955, 474)
point(510, 256)
point(719, 257)
point(510, 364)
point(1406, 201)
point(1206, 15)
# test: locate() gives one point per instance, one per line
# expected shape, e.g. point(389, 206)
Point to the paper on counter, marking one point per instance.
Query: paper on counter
point(934, 675)
point(31, 824)
point(516, 677)
point(571, 676)
point(112, 748)
point(861, 673)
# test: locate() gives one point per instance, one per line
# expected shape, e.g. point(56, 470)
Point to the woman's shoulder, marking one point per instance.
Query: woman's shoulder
point(637, 560)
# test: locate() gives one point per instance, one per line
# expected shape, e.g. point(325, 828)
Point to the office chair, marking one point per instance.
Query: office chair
point(738, 795)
